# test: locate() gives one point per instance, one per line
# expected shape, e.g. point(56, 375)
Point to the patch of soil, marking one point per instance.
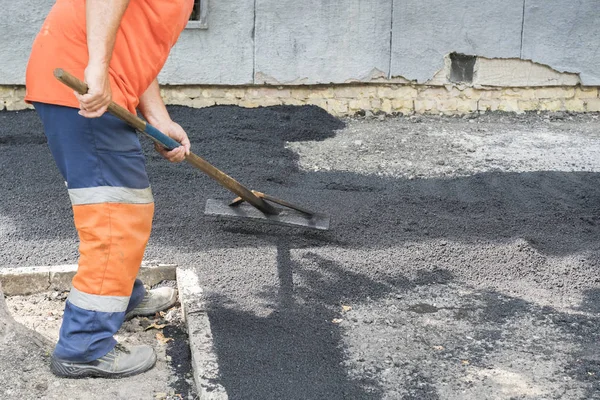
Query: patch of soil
point(170, 379)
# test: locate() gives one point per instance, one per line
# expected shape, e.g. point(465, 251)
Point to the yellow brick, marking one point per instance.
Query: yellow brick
point(235, 93)
point(6, 92)
point(293, 102)
point(190, 91)
point(184, 101)
point(490, 94)
point(575, 105)
point(349, 92)
point(447, 106)
point(434, 93)
point(337, 107)
point(362, 104)
point(397, 92)
point(201, 102)
point(488, 104)
point(592, 105)
point(519, 93)
point(586, 92)
point(249, 103)
point(554, 93)
point(470, 93)
point(386, 106)
point(529, 105)
point(551, 105)
point(369, 91)
point(466, 106)
point(176, 94)
point(270, 101)
point(376, 104)
point(13, 105)
point(318, 102)
point(403, 105)
point(320, 93)
point(424, 106)
point(509, 105)
point(225, 102)
point(265, 92)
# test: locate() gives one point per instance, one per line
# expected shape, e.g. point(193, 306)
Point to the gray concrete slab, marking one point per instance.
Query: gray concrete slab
point(221, 55)
point(423, 33)
point(322, 42)
point(20, 22)
point(564, 35)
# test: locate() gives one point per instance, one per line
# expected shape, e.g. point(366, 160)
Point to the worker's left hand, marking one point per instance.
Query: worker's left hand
point(174, 131)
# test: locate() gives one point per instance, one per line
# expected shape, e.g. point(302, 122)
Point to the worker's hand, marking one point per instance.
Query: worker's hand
point(95, 102)
point(174, 131)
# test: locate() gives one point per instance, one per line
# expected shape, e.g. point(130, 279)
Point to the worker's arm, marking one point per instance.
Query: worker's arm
point(153, 109)
point(103, 18)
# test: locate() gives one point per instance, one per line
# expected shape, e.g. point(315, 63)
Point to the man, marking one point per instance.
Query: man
point(118, 47)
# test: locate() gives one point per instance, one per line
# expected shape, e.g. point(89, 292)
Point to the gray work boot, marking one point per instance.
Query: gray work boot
point(155, 300)
point(118, 363)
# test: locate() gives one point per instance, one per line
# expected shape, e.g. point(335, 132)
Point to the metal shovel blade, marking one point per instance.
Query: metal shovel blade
point(287, 216)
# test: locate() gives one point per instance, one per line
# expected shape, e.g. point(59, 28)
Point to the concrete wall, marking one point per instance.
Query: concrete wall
point(318, 41)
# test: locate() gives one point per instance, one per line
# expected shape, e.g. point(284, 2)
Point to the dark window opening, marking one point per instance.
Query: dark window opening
point(199, 16)
point(195, 16)
point(462, 68)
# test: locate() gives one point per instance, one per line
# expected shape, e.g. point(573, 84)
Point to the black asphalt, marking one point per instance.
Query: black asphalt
point(274, 291)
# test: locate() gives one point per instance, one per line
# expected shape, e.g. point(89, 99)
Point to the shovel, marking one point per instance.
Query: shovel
point(249, 205)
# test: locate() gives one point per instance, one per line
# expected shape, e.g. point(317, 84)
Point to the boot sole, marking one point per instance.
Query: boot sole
point(76, 371)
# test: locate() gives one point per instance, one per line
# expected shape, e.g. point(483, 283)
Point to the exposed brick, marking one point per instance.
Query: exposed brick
point(592, 105)
point(529, 105)
point(321, 93)
point(386, 106)
point(575, 105)
point(466, 106)
point(586, 92)
point(190, 91)
point(551, 105)
point(403, 106)
point(362, 104)
point(347, 92)
point(202, 102)
point(434, 93)
point(555, 93)
point(337, 107)
point(235, 93)
point(293, 102)
point(424, 106)
point(490, 94)
point(318, 102)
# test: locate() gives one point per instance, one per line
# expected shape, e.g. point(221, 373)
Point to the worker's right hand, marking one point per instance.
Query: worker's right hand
point(95, 102)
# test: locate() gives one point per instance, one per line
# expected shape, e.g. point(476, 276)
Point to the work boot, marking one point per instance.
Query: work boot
point(155, 300)
point(118, 363)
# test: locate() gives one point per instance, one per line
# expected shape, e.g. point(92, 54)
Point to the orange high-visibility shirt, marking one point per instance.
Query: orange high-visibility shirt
point(148, 31)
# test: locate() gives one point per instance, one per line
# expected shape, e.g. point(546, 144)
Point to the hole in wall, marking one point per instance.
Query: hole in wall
point(462, 67)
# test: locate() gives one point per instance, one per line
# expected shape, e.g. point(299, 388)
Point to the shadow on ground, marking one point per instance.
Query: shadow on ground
point(296, 351)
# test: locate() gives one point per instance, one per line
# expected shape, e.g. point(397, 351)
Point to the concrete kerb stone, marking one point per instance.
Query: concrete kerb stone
point(30, 280)
point(204, 359)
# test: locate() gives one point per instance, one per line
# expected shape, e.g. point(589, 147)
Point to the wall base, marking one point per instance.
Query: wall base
point(385, 98)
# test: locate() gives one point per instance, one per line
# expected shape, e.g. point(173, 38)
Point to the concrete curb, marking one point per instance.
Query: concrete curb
point(204, 358)
point(30, 280)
